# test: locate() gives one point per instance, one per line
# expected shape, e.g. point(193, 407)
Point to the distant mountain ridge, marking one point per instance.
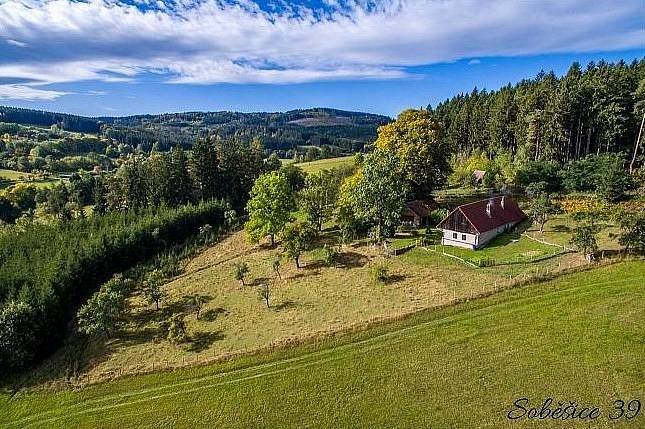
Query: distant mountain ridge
point(347, 130)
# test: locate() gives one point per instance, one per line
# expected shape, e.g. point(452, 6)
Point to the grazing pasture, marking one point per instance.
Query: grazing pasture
point(577, 338)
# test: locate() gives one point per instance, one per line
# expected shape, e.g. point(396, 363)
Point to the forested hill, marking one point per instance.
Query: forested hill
point(587, 111)
point(348, 131)
point(68, 122)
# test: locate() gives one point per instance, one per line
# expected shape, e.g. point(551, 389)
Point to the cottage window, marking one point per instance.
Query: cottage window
point(454, 235)
point(463, 237)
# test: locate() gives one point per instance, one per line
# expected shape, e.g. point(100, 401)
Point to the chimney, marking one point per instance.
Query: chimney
point(488, 208)
point(502, 202)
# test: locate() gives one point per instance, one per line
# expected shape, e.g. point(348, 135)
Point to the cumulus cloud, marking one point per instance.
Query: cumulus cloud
point(236, 41)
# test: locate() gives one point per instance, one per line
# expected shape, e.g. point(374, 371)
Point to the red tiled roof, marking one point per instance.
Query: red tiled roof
point(478, 217)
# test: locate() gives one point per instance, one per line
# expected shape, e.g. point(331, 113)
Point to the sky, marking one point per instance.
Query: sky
point(114, 57)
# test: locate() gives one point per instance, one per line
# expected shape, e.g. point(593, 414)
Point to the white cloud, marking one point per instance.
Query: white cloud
point(16, 43)
point(213, 41)
point(23, 92)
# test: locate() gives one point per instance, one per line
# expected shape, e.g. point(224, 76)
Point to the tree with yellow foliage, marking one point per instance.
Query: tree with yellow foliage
point(415, 138)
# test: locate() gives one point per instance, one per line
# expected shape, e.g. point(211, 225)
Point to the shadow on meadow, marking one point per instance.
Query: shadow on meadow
point(202, 340)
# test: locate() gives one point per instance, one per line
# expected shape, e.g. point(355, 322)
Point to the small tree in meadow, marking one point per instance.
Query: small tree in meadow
point(152, 288)
point(632, 235)
point(584, 239)
point(197, 302)
point(176, 329)
point(241, 270)
point(265, 293)
point(103, 309)
point(297, 237)
point(270, 207)
point(276, 267)
point(541, 206)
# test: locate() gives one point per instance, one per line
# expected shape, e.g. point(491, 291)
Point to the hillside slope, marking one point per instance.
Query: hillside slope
point(578, 338)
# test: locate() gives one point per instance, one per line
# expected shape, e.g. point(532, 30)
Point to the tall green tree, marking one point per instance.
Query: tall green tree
point(318, 197)
point(204, 168)
point(297, 237)
point(379, 193)
point(270, 207)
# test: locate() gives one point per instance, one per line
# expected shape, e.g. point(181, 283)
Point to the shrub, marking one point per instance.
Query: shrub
point(176, 329)
point(378, 272)
point(18, 336)
point(330, 256)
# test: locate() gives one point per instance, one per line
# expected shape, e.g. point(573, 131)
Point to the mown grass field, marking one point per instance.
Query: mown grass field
point(326, 164)
point(511, 247)
point(577, 338)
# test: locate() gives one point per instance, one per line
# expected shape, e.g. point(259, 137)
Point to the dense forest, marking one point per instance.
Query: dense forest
point(46, 119)
point(587, 111)
point(345, 131)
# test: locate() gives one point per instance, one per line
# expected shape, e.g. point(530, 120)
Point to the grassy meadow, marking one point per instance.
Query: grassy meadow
point(11, 177)
point(325, 164)
point(314, 301)
point(576, 338)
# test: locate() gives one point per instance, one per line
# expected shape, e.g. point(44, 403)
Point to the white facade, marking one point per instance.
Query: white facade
point(459, 239)
point(472, 241)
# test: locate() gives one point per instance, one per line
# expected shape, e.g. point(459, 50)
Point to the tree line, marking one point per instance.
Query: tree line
point(42, 285)
point(594, 110)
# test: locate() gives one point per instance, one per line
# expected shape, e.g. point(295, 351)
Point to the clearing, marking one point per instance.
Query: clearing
point(325, 164)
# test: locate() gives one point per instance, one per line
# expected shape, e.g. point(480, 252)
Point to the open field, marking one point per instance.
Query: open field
point(560, 227)
point(311, 302)
point(10, 177)
point(577, 338)
point(326, 164)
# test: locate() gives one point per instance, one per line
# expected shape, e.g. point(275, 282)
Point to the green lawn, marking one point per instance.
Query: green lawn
point(326, 164)
point(560, 228)
point(510, 247)
point(578, 338)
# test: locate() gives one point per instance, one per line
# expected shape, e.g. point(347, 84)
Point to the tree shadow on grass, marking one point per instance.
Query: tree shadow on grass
point(258, 281)
point(303, 273)
point(394, 278)
point(351, 260)
point(200, 341)
point(560, 228)
point(285, 305)
point(212, 314)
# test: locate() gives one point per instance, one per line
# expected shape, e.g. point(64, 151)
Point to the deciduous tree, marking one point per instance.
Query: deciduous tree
point(270, 207)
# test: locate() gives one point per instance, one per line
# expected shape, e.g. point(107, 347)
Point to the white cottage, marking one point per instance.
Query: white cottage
point(474, 225)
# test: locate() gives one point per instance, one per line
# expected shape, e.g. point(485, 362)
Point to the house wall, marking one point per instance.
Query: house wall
point(447, 238)
point(487, 236)
point(473, 241)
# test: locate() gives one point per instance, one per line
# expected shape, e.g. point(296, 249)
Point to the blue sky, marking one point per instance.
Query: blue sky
point(110, 57)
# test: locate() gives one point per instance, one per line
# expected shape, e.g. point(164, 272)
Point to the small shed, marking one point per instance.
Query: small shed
point(478, 177)
point(417, 212)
